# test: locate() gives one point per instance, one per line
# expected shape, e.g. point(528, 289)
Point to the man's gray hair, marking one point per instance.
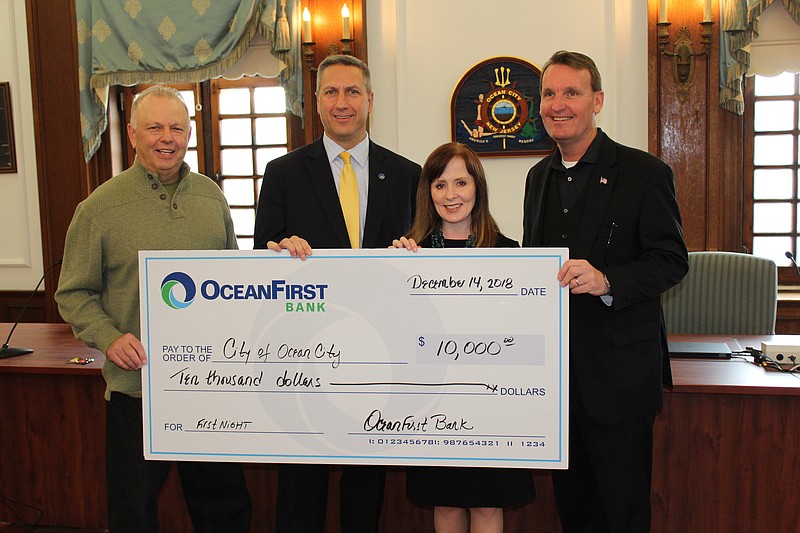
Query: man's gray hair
point(160, 90)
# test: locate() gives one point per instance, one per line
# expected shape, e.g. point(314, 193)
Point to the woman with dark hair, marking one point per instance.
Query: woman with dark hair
point(453, 212)
point(453, 204)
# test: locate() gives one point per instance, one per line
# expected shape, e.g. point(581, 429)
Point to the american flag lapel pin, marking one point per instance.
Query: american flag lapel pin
point(603, 181)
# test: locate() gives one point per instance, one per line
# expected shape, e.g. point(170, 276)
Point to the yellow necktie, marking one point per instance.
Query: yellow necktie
point(348, 196)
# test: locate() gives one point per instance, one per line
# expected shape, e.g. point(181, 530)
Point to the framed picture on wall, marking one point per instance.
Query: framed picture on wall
point(495, 109)
point(8, 154)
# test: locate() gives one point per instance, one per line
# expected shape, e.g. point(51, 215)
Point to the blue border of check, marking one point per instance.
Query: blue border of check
point(341, 459)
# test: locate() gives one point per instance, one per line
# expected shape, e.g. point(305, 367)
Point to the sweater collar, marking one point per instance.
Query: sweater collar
point(182, 172)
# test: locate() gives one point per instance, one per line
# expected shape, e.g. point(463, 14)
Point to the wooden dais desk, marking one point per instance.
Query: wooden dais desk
point(724, 449)
point(53, 429)
point(725, 446)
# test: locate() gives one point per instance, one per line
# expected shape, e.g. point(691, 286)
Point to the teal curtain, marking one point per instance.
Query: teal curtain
point(738, 28)
point(152, 41)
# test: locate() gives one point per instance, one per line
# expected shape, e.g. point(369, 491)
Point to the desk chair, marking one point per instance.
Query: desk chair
point(724, 293)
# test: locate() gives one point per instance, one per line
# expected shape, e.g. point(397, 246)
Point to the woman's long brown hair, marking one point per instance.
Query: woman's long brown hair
point(484, 227)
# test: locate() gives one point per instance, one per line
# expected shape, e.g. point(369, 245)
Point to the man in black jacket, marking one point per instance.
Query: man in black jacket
point(614, 207)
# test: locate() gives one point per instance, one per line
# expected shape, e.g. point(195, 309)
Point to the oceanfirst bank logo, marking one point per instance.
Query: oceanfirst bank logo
point(212, 290)
point(178, 279)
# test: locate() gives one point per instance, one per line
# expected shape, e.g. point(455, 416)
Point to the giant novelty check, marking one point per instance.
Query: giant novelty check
point(441, 357)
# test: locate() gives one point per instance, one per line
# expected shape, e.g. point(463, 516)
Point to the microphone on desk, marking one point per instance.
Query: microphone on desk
point(790, 256)
point(6, 351)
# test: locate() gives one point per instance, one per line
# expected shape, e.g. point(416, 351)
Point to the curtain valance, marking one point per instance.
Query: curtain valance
point(151, 41)
point(739, 26)
point(777, 48)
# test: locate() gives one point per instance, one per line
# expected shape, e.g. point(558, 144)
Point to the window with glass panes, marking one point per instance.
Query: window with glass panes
point(251, 131)
point(238, 126)
point(775, 177)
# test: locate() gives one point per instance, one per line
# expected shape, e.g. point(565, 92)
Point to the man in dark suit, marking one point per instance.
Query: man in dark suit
point(300, 208)
point(614, 207)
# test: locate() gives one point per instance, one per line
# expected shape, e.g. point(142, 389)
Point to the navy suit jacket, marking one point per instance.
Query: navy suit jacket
point(618, 353)
point(299, 197)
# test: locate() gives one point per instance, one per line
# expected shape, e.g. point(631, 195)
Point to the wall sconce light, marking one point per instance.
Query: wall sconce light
point(683, 54)
point(308, 40)
point(347, 41)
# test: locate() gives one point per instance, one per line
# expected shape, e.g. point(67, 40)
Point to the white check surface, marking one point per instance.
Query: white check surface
point(443, 357)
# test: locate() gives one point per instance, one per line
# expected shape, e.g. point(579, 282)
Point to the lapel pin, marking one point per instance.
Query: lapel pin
point(604, 181)
point(381, 176)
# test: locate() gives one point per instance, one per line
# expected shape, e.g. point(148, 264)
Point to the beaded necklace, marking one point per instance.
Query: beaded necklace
point(437, 239)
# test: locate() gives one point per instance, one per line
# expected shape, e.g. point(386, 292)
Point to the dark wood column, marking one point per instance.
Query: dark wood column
point(62, 173)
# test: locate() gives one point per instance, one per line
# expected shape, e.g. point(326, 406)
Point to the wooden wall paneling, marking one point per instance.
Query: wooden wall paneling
point(716, 148)
point(62, 173)
point(99, 166)
point(724, 147)
point(671, 133)
point(698, 139)
point(312, 127)
point(727, 177)
point(12, 303)
point(326, 22)
point(748, 168)
point(683, 129)
point(654, 81)
point(788, 321)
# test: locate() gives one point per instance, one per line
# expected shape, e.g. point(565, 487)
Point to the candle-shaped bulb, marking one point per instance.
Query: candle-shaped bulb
point(707, 11)
point(307, 38)
point(662, 11)
point(345, 22)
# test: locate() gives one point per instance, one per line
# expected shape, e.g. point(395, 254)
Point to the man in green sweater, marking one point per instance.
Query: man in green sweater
point(157, 204)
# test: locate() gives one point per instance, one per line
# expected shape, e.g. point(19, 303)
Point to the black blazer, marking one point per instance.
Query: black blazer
point(298, 197)
point(618, 354)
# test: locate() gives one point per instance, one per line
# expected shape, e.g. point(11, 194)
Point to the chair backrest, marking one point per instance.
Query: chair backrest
point(724, 293)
